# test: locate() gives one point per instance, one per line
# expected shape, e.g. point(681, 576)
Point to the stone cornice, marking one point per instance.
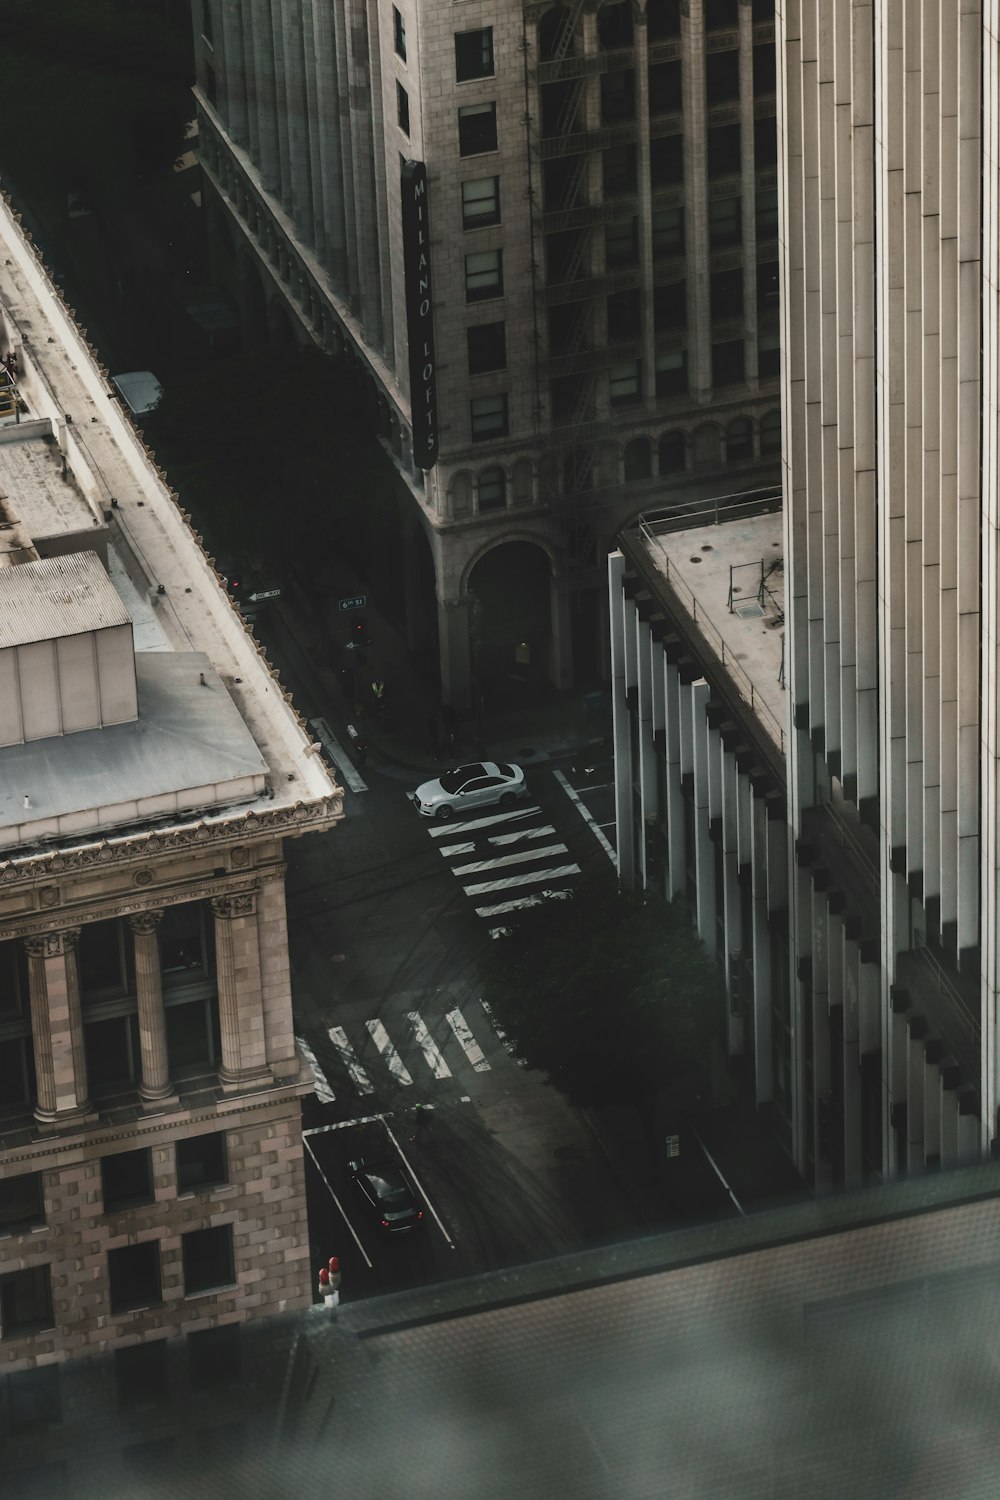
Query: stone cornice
point(281, 822)
point(68, 917)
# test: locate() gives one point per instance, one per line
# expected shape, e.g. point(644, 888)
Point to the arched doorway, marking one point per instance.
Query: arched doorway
point(510, 589)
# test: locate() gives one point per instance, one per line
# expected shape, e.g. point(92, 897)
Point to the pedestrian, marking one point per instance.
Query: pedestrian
point(421, 1121)
point(361, 751)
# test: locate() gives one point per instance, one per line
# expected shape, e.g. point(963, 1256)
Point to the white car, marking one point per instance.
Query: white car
point(478, 785)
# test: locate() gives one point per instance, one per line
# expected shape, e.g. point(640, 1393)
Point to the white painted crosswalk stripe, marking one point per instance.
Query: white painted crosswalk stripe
point(470, 825)
point(345, 1052)
point(481, 887)
point(324, 1093)
point(428, 1046)
point(449, 850)
point(467, 1041)
point(394, 1062)
point(500, 861)
point(514, 838)
point(501, 907)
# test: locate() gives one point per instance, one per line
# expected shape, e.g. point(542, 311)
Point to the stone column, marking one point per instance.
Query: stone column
point(241, 1010)
point(57, 1027)
point(155, 1085)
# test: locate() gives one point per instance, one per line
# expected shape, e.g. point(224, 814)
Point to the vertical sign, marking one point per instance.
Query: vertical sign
point(419, 313)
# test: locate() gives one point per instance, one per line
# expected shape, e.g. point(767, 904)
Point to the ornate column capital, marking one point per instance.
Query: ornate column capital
point(52, 944)
point(145, 923)
point(240, 904)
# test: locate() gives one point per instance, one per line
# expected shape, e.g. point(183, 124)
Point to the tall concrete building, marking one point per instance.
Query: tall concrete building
point(601, 327)
point(877, 1039)
point(151, 769)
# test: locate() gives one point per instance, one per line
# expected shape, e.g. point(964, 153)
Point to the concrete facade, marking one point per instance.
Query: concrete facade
point(151, 1171)
point(604, 262)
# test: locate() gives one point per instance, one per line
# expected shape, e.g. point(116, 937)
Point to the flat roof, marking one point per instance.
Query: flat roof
point(57, 596)
point(745, 554)
point(38, 490)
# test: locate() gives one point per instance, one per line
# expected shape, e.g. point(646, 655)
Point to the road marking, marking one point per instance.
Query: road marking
point(481, 887)
point(324, 1093)
point(428, 1046)
point(504, 906)
point(519, 837)
point(586, 816)
point(345, 1052)
point(502, 1036)
point(600, 786)
point(339, 755)
point(343, 1124)
point(395, 1063)
point(500, 860)
point(419, 1185)
point(715, 1168)
point(343, 1211)
point(449, 849)
point(467, 827)
point(467, 1041)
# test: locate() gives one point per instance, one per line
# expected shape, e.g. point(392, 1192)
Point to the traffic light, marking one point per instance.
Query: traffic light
point(358, 631)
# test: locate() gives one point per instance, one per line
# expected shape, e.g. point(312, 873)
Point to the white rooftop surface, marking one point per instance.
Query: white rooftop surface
point(36, 493)
point(147, 632)
point(697, 563)
point(188, 750)
point(57, 596)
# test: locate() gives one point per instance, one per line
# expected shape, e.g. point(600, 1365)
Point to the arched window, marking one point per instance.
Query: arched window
point(770, 433)
point(638, 459)
point(739, 440)
point(551, 41)
point(492, 489)
point(706, 444)
point(614, 27)
point(672, 455)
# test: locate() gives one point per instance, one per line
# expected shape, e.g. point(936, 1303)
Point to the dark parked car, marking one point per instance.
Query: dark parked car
point(383, 1186)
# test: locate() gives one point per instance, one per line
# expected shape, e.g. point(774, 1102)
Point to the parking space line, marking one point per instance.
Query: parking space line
point(345, 1052)
point(340, 1206)
point(481, 887)
point(499, 861)
point(468, 1043)
point(469, 825)
point(393, 1061)
point(419, 1185)
point(428, 1046)
point(587, 817)
point(522, 835)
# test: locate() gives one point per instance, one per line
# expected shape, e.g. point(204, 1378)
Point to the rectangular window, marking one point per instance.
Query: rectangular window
point(13, 981)
point(398, 34)
point(473, 54)
point(134, 1276)
point(671, 375)
point(22, 1203)
point(402, 109)
point(670, 306)
point(112, 1049)
point(141, 1373)
point(185, 954)
point(624, 384)
point(489, 417)
point(765, 142)
point(487, 348)
point(201, 1162)
point(666, 160)
point(727, 363)
point(725, 222)
point(17, 1073)
point(127, 1179)
point(724, 151)
point(25, 1302)
point(483, 275)
point(769, 352)
point(768, 289)
point(727, 294)
point(101, 955)
point(621, 243)
point(767, 215)
point(477, 129)
point(764, 69)
point(668, 231)
point(208, 1259)
point(480, 202)
point(722, 77)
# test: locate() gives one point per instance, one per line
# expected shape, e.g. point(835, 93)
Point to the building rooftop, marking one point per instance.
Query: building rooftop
point(57, 596)
point(727, 569)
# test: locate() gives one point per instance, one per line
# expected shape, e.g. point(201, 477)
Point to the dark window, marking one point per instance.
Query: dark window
point(663, 19)
point(668, 231)
point(767, 214)
point(22, 1202)
point(489, 417)
point(721, 15)
point(487, 348)
point(33, 1398)
point(638, 460)
point(134, 1276)
point(763, 10)
point(483, 275)
point(739, 440)
point(614, 26)
point(398, 34)
point(723, 150)
point(670, 306)
point(403, 109)
point(765, 142)
point(619, 168)
point(17, 1073)
point(112, 1051)
point(727, 362)
point(727, 294)
point(127, 1179)
point(474, 54)
point(621, 243)
point(624, 313)
point(671, 374)
point(184, 950)
point(665, 88)
point(672, 453)
point(25, 1301)
point(141, 1373)
point(215, 1356)
point(666, 160)
point(102, 961)
point(13, 981)
point(477, 129)
point(767, 286)
point(724, 222)
point(193, 1042)
point(201, 1161)
point(770, 433)
point(625, 383)
point(480, 202)
point(492, 491)
point(768, 352)
point(722, 77)
point(208, 1259)
point(618, 96)
point(764, 68)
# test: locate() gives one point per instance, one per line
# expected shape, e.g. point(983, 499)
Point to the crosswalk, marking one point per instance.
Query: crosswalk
point(519, 860)
point(410, 1049)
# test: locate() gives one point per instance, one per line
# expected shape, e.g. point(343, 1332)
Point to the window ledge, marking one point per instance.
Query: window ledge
point(212, 1291)
point(221, 1189)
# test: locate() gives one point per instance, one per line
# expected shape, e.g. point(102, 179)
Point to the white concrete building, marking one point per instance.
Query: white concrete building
point(890, 272)
point(602, 201)
point(151, 768)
